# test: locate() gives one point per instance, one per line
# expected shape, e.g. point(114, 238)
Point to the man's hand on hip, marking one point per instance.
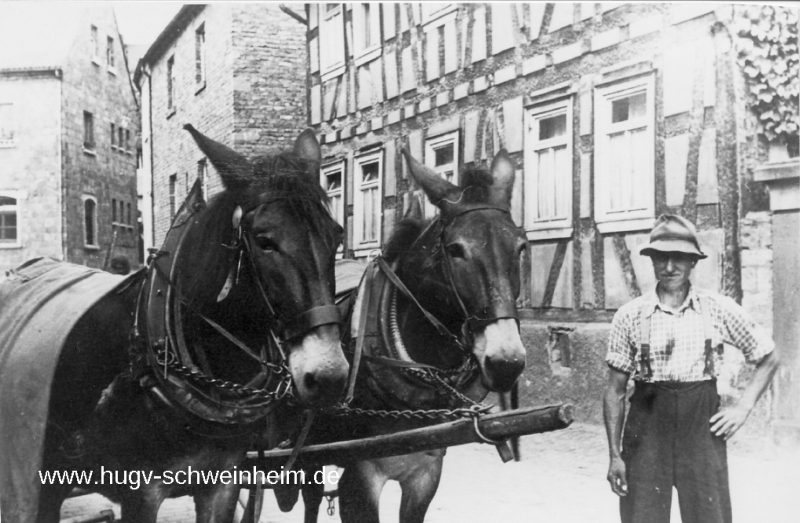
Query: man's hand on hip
point(727, 421)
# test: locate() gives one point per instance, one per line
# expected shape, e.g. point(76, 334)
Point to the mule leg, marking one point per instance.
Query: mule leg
point(419, 488)
point(360, 492)
point(51, 497)
point(312, 497)
point(141, 508)
point(217, 504)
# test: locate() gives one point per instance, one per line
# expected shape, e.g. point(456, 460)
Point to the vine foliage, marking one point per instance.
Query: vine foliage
point(768, 55)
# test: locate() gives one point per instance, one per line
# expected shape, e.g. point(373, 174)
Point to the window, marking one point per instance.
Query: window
point(113, 136)
point(7, 125)
point(95, 46)
point(89, 221)
point(441, 155)
point(433, 10)
point(127, 140)
point(332, 180)
point(9, 232)
point(120, 135)
point(88, 131)
point(367, 201)
point(130, 219)
point(199, 55)
point(331, 41)
point(548, 171)
point(624, 185)
point(171, 85)
point(173, 181)
point(110, 59)
point(113, 210)
point(366, 32)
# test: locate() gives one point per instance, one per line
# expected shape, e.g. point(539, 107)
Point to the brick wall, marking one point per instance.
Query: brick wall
point(31, 167)
point(253, 97)
point(269, 97)
point(208, 107)
point(107, 174)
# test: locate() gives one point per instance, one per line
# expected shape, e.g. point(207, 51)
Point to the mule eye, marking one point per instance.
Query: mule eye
point(455, 250)
point(266, 244)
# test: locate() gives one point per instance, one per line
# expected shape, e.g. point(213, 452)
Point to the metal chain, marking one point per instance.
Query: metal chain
point(283, 390)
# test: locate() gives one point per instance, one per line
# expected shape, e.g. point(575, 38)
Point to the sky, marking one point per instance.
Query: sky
point(141, 22)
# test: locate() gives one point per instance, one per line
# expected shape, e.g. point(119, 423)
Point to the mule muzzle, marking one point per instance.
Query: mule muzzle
point(501, 354)
point(318, 366)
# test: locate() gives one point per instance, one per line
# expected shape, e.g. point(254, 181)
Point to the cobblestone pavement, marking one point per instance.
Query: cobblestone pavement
point(561, 479)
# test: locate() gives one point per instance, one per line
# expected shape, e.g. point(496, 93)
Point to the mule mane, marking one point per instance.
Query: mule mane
point(476, 183)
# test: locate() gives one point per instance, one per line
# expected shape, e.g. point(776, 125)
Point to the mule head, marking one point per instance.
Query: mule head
point(478, 250)
point(275, 203)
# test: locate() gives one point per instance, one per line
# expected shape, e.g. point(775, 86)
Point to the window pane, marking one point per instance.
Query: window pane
point(367, 27)
point(334, 180)
point(8, 226)
point(369, 172)
point(7, 200)
point(630, 108)
point(561, 170)
point(544, 185)
point(444, 155)
point(552, 127)
point(88, 207)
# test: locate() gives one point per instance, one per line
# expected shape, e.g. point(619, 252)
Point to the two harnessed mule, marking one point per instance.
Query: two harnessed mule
point(186, 364)
point(437, 323)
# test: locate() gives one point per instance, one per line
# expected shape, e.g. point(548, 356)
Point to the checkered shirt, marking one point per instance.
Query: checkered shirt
point(677, 338)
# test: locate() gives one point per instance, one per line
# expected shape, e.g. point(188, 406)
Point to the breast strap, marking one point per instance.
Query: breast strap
point(708, 331)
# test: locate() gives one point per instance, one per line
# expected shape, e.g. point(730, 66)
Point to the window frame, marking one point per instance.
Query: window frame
point(86, 245)
point(12, 142)
point(324, 171)
point(89, 141)
point(111, 58)
point(431, 144)
point(202, 174)
point(364, 53)
point(171, 106)
point(331, 25)
point(17, 196)
point(359, 246)
point(94, 42)
point(637, 218)
point(553, 228)
point(200, 57)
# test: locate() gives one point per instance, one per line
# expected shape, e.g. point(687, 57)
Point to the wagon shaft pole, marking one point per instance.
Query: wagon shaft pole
point(499, 426)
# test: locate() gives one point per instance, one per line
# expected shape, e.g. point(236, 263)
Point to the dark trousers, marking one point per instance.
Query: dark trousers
point(667, 442)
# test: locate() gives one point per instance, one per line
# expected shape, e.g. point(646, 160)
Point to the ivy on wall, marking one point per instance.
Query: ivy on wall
point(768, 55)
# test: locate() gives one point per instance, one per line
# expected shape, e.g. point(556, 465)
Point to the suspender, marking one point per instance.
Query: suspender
point(708, 331)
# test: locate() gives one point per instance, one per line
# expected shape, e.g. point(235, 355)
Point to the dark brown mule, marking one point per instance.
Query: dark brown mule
point(463, 268)
point(255, 266)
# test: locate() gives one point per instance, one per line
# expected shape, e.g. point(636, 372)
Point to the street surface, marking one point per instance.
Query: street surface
point(561, 479)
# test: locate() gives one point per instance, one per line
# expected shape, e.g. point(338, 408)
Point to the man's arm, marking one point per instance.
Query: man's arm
point(727, 421)
point(614, 416)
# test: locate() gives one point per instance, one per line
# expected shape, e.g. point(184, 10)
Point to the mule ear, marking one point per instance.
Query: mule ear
point(503, 173)
point(414, 211)
point(232, 166)
point(435, 187)
point(307, 147)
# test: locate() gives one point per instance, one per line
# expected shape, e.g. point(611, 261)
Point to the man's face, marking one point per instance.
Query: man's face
point(673, 268)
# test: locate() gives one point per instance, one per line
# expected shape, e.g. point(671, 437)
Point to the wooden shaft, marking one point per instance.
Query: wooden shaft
point(498, 426)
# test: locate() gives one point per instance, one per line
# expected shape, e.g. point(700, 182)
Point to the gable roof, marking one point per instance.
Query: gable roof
point(38, 35)
point(173, 30)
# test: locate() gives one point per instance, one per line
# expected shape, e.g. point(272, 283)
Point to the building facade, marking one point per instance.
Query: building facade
point(236, 72)
point(69, 126)
point(613, 114)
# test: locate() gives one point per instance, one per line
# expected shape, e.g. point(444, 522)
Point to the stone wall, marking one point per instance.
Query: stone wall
point(105, 173)
point(30, 170)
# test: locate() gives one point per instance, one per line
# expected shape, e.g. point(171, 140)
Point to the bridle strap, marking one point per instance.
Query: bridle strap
point(496, 311)
point(440, 328)
point(310, 319)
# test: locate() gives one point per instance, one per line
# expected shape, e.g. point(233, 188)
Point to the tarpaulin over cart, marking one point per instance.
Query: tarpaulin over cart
point(40, 303)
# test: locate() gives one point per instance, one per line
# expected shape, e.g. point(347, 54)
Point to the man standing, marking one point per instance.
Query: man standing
point(671, 340)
